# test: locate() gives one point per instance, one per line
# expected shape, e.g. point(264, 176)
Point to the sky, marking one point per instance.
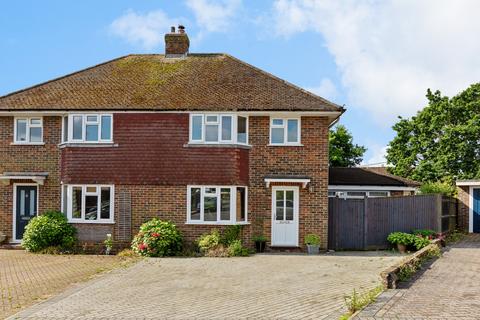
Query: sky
point(377, 58)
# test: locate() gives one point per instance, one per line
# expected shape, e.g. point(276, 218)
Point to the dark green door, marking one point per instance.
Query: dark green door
point(26, 208)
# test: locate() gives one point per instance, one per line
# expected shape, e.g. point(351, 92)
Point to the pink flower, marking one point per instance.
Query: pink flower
point(155, 235)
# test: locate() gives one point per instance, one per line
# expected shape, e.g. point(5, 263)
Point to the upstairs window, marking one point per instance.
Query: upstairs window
point(28, 130)
point(218, 128)
point(89, 128)
point(285, 131)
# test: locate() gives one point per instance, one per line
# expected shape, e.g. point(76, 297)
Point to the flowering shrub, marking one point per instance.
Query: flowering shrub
point(209, 241)
point(157, 238)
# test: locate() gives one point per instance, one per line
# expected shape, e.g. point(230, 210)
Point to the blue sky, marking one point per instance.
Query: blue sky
point(375, 57)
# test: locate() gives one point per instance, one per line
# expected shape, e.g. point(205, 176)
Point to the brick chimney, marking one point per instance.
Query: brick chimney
point(176, 43)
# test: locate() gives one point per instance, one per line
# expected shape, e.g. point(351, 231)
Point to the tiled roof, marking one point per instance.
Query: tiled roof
point(216, 82)
point(366, 177)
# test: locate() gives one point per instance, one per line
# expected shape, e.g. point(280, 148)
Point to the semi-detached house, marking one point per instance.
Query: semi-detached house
point(203, 140)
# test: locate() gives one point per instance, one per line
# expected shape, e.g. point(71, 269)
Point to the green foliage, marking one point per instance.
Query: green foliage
point(108, 242)
point(400, 238)
point(407, 270)
point(444, 188)
point(235, 249)
point(358, 301)
point(420, 242)
point(342, 151)
point(454, 236)
point(259, 238)
point(312, 239)
point(157, 238)
point(425, 233)
point(441, 142)
point(50, 229)
point(209, 241)
point(231, 234)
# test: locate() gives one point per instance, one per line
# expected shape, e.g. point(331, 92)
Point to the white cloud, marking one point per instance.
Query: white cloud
point(377, 157)
point(146, 30)
point(214, 16)
point(326, 89)
point(390, 52)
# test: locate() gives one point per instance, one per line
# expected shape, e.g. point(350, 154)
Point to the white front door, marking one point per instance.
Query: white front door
point(284, 216)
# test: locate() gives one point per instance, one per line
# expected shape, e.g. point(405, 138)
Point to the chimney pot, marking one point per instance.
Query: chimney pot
point(172, 29)
point(181, 28)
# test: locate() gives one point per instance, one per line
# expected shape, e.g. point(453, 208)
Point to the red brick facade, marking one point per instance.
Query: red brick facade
point(463, 208)
point(152, 162)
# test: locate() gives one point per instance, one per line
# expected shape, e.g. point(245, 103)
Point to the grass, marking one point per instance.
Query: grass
point(357, 301)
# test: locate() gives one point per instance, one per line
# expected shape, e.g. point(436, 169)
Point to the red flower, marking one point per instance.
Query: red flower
point(142, 246)
point(155, 235)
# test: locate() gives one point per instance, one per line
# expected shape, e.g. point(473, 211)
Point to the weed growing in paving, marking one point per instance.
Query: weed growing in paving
point(408, 270)
point(357, 301)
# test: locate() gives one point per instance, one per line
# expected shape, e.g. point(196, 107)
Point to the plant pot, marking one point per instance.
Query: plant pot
point(2, 237)
point(260, 246)
point(401, 248)
point(313, 249)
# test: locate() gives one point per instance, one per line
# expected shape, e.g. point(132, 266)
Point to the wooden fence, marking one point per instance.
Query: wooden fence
point(362, 224)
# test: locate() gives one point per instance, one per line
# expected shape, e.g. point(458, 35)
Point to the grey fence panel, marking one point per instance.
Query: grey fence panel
point(366, 223)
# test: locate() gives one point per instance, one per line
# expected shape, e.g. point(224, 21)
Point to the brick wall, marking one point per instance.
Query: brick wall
point(15, 158)
point(463, 208)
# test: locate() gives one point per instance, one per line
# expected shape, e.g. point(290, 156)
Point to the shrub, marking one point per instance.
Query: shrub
point(209, 241)
point(231, 234)
point(235, 249)
point(312, 239)
point(401, 238)
point(426, 233)
point(157, 238)
point(444, 188)
point(420, 242)
point(50, 229)
point(219, 251)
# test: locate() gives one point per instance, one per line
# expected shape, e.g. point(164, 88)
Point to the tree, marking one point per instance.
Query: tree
point(343, 153)
point(442, 142)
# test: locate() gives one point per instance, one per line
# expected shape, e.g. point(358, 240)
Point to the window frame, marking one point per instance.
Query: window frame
point(233, 130)
point(29, 125)
point(284, 126)
point(69, 198)
point(218, 195)
point(84, 117)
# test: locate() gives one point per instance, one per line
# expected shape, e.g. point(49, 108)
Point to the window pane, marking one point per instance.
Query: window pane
point(279, 204)
point(22, 203)
point(92, 119)
point(105, 203)
point(21, 130)
point(65, 129)
point(212, 119)
point(277, 135)
point(91, 207)
point(77, 128)
point(211, 190)
point(211, 133)
point(241, 204)
point(277, 122)
point(106, 128)
point(35, 134)
point(227, 128)
point(76, 202)
point(195, 204)
point(210, 209)
point(224, 204)
point(242, 130)
point(289, 205)
point(36, 121)
point(65, 200)
point(92, 132)
point(356, 194)
point(378, 194)
point(196, 127)
point(92, 189)
point(292, 134)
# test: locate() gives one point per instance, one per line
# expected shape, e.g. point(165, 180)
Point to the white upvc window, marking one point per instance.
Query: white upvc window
point(28, 130)
point(88, 203)
point(353, 194)
point(87, 128)
point(217, 204)
point(210, 128)
point(285, 131)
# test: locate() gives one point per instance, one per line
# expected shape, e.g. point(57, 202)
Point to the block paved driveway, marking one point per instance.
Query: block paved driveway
point(257, 287)
point(447, 289)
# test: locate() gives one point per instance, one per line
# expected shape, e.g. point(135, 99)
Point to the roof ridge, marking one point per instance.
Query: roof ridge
point(342, 109)
point(64, 76)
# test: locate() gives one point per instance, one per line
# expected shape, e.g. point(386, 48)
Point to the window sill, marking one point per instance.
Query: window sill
point(217, 223)
point(285, 145)
point(88, 145)
point(217, 145)
point(27, 143)
point(91, 222)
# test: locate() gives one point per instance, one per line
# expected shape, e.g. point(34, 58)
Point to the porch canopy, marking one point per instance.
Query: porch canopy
point(37, 177)
point(304, 180)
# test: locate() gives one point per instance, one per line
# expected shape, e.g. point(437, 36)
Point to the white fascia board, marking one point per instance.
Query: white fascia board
point(468, 183)
point(370, 188)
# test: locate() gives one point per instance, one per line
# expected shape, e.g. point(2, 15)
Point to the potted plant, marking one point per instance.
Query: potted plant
point(313, 243)
point(260, 242)
point(401, 240)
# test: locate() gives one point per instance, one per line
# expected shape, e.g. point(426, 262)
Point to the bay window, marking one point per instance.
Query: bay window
point(217, 204)
point(28, 130)
point(218, 128)
point(285, 131)
point(87, 128)
point(88, 203)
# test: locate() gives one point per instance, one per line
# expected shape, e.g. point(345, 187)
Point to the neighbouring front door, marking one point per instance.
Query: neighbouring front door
point(476, 210)
point(285, 216)
point(25, 207)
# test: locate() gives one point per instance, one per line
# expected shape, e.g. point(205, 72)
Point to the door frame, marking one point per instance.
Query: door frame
point(296, 209)
point(14, 226)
